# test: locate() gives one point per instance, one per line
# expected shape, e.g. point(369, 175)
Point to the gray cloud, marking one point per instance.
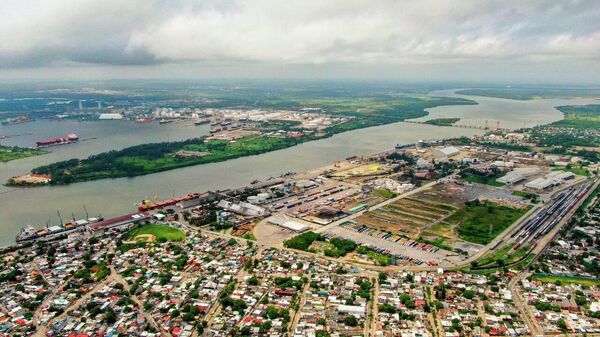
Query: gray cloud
point(51, 33)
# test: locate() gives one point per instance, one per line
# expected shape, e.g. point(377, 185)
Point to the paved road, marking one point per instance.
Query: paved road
point(534, 328)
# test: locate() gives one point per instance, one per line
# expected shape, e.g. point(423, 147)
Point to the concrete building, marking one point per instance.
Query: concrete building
point(446, 152)
point(540, 184)
point(110, 116)
point(287, 223)
point(517, 175)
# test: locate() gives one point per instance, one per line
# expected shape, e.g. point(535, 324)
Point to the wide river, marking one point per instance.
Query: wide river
point(111, 197)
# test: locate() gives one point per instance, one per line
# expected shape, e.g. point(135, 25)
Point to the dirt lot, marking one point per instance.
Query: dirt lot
point(271, 234)
point(411, 216)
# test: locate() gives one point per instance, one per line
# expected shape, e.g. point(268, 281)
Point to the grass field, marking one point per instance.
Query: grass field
point(506, 254)
point(574, 169)
point(378, 258)
point(384, 193)
point(159, 232)
point(484, 180)
point(527, 195)
point(565, 279)
point(482, 222)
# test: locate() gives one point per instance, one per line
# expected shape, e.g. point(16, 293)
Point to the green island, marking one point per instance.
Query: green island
point(442, 121)
point(144, 159)
point(8, 153)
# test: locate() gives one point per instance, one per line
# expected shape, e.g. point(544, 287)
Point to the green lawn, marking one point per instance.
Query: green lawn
point(565, 279)
point(384, 193)
point(159, 231)
point(475, 220)
point(527, 195)
point(578, 170)
point(380, 259)
point(490, 260)
point(484, 180)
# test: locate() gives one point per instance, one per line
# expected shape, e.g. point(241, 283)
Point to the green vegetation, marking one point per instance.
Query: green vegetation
point(160, 232)
point(524, 93)
point(380, 259)
point(249, 236)
point(151, 158)
point(442, 121)
point(533, 197)
point(302, 241)
point(381, 192)
point(438, 242)
point(565, 279)
point(474, 176)
point(12, 153)
point(578, 170)
point(500, 258)
point(341, 247)
point(580, 113)
point(580, 127)
point(481, 222)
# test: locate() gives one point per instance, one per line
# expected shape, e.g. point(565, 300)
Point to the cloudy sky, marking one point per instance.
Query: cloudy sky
point(460, 40)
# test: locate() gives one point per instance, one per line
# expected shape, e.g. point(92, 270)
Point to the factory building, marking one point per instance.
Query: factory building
point(517, 175)
point(285, 222)
point(446, 152)
point(242, 208)
point(110, 116)
point(552, 179)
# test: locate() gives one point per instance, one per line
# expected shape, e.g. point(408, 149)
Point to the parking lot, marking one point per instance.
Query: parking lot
point(402, 248)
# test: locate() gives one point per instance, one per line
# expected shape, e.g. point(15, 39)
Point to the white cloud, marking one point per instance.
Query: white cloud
point(295, 32)
point(361, 31)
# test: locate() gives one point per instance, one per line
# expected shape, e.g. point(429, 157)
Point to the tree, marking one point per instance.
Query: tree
point(188, 317)
point(253, 281)
point(351, 321)
point(562, 325)
point(110, 316)
point(272, 312)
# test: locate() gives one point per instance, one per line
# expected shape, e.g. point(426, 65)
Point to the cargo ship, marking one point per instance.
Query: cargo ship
point(148, 205)
point(30, 233)
point(71, 138)
point(16, 120)
point(403, 146)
